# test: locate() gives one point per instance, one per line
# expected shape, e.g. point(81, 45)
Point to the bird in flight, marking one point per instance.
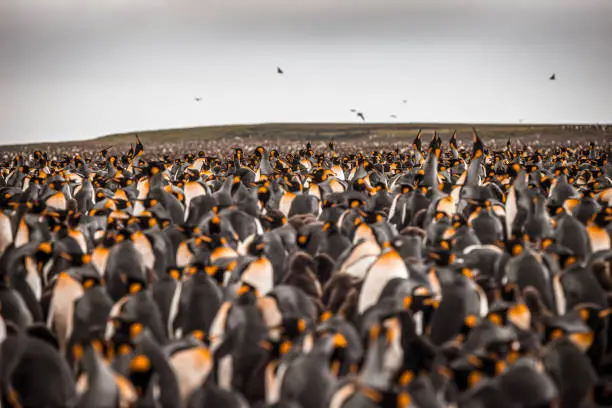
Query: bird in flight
point(198, 99)
point(353, 110)
point(279, 70)
point(394, 116)
point(360, 115)
point(553, 77)
point(404, 101)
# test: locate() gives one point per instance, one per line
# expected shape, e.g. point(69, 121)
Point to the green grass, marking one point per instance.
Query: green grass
point(344, 132)
point(340, 132)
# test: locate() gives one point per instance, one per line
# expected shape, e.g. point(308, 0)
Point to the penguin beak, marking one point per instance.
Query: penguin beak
point(301, 326)
point(211, 270)
point(135, 287)
point(135, 330)
point(605, 313)
point(582, 340)
point(243, 289)
point(407, 302)
point(77, 352)
point(340, 341)
point(175, 274)
point(140, 364)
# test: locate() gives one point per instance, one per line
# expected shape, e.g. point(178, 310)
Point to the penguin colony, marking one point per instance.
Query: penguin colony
point(423, 277)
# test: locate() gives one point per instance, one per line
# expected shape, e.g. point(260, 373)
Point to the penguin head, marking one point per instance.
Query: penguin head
point(464, 372)
point(75, 259)
point(420, 299)
point(519, 315)
point(360, 185)
point(127, 330)
point(120, 235)
point(189, 231)
point(175, 273)
point(9, 200)
point(57, 184)
point(263, 194)
point(257, 246)
point(248, 293)
point(339, 353)
point(446, 243)
point(478, 149)
point(133, 284)
point(373, 217)
point(273, 219)
point(509, 292)
point(142, 221)
point(330, 228)
point(593, 316)
point(44, 253)
point(90, 278)
point(302, 239)
point(603, 217)
point(355, 202)
point(140, 373)
point(293, 184)
point(458, 221)
point(238, 153)
point(442, 257)
point(321, 175)
point(515, 246)
point(294, 327)
point(469, 323)
point(214, 225)
point(218, 272)
point(570, 326)
point(276, 348)
point(566, 259)
point(488, 364)
point(441, 216)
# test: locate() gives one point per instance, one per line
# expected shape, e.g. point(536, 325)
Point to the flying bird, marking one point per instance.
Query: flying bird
point(404, 101)
point(353, 110)
point(198, 99)
point(279, 70)
point(360, 115)
point(553, 77)
point(394, 116)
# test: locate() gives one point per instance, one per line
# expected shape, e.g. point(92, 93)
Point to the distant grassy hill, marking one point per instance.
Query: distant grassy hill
point(344, 132)
point(277, 133)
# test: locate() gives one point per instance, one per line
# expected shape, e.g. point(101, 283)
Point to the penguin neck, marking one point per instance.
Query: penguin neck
point(431, 171)
point(540, 208)
point(144, 388)
point(264, 164)
point(96, 369)
point(156, 182)
point(473, 172)
point(169, 389)
point(226, 186)
point(373, 374)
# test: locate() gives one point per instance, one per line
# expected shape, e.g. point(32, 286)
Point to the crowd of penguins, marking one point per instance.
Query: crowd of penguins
point(431, 275)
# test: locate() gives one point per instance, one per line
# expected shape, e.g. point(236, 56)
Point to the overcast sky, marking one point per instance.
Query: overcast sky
point(74, 69)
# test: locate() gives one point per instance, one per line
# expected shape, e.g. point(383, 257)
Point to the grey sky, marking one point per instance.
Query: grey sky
point(73, 69)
